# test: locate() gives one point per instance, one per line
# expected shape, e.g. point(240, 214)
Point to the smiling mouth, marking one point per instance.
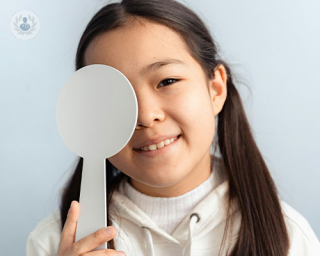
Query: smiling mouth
point(158, 146)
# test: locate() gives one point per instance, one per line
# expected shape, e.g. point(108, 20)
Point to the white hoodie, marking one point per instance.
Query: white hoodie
point(199, 234)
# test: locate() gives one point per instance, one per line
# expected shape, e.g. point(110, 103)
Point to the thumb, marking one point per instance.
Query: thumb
point(69, 230)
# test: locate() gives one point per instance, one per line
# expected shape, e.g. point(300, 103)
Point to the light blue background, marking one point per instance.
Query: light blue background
point(273, 45)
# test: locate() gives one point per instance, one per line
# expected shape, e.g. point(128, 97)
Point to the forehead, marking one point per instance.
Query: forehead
point(137, 42)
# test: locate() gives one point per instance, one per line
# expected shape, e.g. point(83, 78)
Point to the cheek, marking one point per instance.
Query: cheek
point(195, 114)
point(193, 109)
point(118, 159)
point(115, 162)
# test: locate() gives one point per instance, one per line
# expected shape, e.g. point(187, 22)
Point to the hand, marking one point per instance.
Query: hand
point(84, 246)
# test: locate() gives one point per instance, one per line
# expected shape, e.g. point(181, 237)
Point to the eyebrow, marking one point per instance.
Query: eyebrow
point(159, 64)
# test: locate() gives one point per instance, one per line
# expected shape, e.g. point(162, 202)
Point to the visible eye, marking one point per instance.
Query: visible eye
point(168, 81)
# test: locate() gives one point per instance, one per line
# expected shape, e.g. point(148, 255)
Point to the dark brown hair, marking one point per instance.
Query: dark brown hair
point(262, 230)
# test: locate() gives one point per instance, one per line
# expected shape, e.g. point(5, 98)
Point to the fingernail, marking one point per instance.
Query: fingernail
point(108, 231)
point(121, 253)
point(70, 207)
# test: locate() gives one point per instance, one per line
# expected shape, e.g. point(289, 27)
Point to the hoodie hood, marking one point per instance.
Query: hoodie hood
point(200, 233)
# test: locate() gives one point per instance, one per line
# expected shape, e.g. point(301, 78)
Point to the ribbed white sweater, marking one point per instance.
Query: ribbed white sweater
point(168, 212)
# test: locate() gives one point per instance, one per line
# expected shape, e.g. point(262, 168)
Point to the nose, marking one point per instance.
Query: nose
point(149, 111)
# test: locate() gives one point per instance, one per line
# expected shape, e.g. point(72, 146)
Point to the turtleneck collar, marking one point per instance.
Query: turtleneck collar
point(167, 213)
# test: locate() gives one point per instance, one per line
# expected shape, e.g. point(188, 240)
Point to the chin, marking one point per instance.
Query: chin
point(160, 181)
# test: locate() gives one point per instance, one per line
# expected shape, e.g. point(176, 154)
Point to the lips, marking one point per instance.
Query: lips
point(166, 151)
point(156, 140)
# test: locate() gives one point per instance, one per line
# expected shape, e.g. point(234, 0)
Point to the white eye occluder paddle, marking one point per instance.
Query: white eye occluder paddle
point(96, 116)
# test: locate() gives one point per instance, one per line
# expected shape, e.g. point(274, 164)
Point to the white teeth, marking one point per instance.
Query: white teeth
point(152, 147)
point(159, 145)
point(167, 142)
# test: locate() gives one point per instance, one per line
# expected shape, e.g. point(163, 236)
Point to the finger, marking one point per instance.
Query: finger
point(91, 241)
point(107, 252)
point(69, 230)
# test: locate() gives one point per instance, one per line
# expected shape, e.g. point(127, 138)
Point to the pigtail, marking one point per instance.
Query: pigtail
point(71, 192)
point(263, 230)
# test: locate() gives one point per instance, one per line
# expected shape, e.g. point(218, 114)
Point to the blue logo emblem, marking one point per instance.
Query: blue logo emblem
point(25, 24)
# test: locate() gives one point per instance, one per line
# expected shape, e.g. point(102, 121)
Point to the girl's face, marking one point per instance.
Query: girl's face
point(174, 98)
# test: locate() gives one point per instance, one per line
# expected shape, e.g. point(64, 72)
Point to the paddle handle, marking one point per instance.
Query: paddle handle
point(93, 199)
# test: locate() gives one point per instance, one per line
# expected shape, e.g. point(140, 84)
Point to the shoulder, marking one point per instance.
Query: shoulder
point(303, 240)
point(44, 239)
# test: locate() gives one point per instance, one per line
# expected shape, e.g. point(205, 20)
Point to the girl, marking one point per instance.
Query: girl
point(168, 194)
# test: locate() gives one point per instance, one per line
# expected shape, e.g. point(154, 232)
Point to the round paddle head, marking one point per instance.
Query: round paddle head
point(96, 111)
